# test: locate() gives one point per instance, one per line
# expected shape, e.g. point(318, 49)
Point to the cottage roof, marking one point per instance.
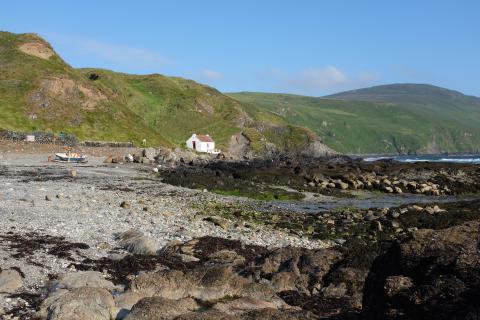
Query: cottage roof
point(204, 138)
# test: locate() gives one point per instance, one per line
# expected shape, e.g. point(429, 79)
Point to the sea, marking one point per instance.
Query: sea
point(472, 158)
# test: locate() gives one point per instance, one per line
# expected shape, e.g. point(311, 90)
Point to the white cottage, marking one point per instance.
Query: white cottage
point(201, 143)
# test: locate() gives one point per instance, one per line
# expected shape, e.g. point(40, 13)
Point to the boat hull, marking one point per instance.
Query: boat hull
point(65, 158)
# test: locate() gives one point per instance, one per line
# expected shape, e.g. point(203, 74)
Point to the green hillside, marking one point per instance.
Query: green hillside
point(403, 118)
point(40, 91)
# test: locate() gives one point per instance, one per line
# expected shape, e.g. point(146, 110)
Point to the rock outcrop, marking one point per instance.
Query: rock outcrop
point(433, 275)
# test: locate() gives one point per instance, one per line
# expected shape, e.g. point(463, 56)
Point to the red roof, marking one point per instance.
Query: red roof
point(204, 138)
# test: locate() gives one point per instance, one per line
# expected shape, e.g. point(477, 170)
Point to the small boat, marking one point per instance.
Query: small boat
point(70, 157)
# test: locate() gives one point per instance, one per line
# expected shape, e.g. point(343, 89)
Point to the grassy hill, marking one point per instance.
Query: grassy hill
point(399, 118)
point(40, 91)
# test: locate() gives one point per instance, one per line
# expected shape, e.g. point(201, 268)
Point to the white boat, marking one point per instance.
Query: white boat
point(70, 157)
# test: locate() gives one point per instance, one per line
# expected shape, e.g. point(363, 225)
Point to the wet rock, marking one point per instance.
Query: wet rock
point(298, 268)
point(394, 285)
point(341, 185)
point(10, 281)
point(136, 242)
point(376, 226)
point(434, 274)
point(388, 189)
point(416, 208)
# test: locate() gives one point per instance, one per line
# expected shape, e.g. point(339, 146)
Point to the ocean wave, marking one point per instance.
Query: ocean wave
point(463, 160)
point(457, 159)
point(376, 159)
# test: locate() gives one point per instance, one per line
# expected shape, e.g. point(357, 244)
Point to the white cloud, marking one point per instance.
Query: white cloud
point(211, 74)
point(118, 54)
point(319, 81)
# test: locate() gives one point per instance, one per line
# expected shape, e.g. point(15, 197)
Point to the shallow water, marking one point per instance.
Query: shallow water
point(469, 159)
point(373, 201)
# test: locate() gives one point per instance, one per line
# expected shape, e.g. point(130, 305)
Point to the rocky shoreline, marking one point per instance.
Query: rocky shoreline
point(124, 241)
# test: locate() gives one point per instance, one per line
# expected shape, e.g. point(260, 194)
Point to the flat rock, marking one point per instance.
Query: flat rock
point(79, 279)
point(158, 308)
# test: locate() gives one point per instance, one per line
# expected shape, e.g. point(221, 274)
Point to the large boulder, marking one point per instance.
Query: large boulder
point(149, 153)
point(207, 284)
point(79, 304)
point(435, 274)
point(136, 242)
point(297, 268)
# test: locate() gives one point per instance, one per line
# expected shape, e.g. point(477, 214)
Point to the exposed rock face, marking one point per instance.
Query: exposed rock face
point(433, 275)
point(238, 146)
point(37, 49)
point(65, 91)
point(317, 149)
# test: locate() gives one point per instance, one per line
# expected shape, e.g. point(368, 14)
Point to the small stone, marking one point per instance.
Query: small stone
point(397, 190)
point(10, 281)
point(47, 198)
point(395, 224)
point(395, 214)
point(218, 221)
point(186, 258)
point(125, 205)
point(417, 208)
point(376, 226)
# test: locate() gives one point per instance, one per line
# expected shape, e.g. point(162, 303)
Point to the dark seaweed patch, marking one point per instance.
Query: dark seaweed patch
point(26, 245)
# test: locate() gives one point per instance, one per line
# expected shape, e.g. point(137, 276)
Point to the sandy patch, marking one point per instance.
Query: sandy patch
point(37, 49)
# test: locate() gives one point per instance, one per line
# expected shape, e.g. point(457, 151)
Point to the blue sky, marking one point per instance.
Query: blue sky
point(304, 47)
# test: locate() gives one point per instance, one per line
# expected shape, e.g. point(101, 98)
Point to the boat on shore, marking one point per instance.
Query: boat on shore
point(69, 156)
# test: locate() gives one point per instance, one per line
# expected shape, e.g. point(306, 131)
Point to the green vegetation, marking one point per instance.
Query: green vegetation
point(43, 93)
point(46, 94)
point(385, 119)
point(269, 195)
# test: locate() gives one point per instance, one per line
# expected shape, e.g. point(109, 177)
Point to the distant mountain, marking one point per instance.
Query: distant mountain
point(409, 93)
point(397, 118)
point(40, 91)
